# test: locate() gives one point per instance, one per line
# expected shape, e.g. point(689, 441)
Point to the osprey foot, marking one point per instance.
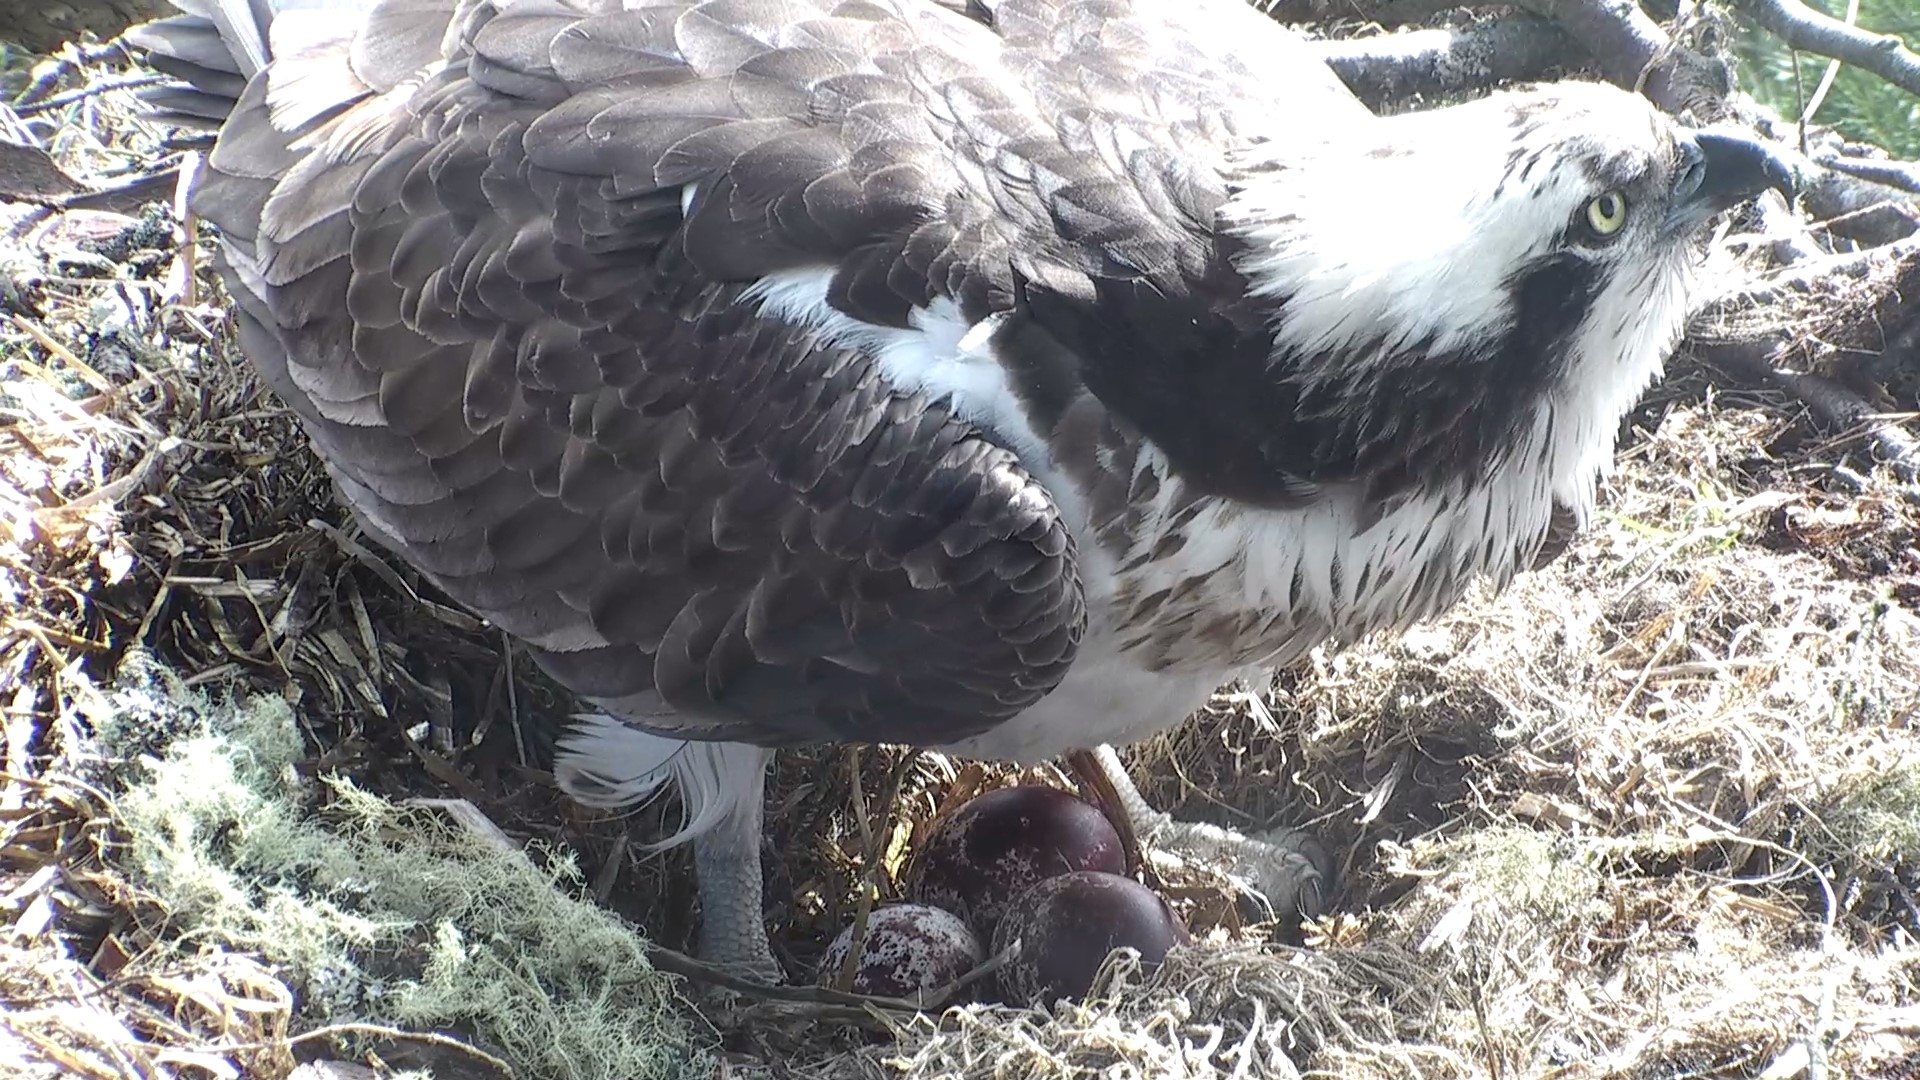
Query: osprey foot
point(1285, 874)
point(743, 959)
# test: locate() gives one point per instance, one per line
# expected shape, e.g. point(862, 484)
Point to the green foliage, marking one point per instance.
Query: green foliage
point(376, 912)
point(1864, 107)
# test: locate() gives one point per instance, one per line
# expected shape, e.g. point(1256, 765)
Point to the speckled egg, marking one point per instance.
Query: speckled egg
point(1067, 925)
point(998, 845)
point(908, 948)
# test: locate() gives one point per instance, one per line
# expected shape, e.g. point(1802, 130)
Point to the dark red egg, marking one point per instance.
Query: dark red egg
point(998, 845)
point(1067, 925)
point(908, 948)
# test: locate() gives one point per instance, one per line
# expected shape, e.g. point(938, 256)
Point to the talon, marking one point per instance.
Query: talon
point(1097, 785)
point(1285, 876)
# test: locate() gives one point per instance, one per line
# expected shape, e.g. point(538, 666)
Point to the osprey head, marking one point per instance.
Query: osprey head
point(1435, 277)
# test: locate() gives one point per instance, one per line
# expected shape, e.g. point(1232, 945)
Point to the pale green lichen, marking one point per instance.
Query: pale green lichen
point(378, 913)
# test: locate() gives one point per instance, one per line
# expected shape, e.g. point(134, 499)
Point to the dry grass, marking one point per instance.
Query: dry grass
point(1652, 812)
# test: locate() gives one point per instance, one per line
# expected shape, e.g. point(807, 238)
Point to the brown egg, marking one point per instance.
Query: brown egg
point(1067, 925)
point(998, 845)
point(908, 948)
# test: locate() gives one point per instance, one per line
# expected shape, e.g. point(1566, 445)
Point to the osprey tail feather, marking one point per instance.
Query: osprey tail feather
point(603, 762)
point(214, 48)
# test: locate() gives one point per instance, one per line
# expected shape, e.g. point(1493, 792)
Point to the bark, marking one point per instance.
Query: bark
point(1388, 70)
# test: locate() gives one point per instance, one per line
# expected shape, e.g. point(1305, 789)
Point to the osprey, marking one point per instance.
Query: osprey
point(999, 376)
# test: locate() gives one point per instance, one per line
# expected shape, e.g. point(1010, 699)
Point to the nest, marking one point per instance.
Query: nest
point(1653, 811)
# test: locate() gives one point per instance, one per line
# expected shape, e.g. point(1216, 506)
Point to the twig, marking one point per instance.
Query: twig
point(1875, 213)
point(104, 86)
point(1803, 28)
point(1834, 404)
point(127, 195)
point(513, 699)
point(991, 966)
point(48, 73)
point(1826, 79)
point(443, 770)
point(1627, 43)
point(183, 265)
point(1849, 265)
point(65, 355)
point(1843, 223)
point(1904, 175)
point(428, 1038)
point(873, 843)
point(678, 963)
point(869, 886)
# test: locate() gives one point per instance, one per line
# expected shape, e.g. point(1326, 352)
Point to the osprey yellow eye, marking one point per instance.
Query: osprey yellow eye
point(1607, 213)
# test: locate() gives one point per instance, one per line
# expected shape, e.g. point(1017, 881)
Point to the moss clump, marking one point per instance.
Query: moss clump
point(1874, 814)
point(379, 913)
point(1534, 880)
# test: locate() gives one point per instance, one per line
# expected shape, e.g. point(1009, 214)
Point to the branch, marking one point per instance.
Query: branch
point(1865, 211)
point(92, 89)
point(1756, 353)
point(1803, 28)
point(1904, 175)
point(1849, 266)
point(1755, 363)
point(1444, 62)
point(1630, 49)
point(1625, 40)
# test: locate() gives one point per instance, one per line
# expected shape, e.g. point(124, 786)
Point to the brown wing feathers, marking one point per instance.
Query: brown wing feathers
point(540, 386)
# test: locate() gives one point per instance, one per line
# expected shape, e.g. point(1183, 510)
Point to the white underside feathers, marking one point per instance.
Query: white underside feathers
point(605, 763)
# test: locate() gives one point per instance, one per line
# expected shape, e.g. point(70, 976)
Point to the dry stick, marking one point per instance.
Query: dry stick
point(873, 841)
point(190, 164)
point(1834, 404)
point(65, 355)
point(1826, 79)
point(863, 907)
point(678, 963)
point(1803, 28)
point(104, 86)
point(1904, 175)
point(48, 73)
point(1848, 217)
point(1625, 41)
point(428, 1038)
point(513, 699)
point(125, 194)
point(1850, 265)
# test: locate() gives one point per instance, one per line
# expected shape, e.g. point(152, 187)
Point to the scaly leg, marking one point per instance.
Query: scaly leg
point(1286, 870)
point(603, 761)
point(733, 928)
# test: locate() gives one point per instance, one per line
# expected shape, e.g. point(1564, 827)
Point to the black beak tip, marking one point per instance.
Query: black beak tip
point(1737, 168)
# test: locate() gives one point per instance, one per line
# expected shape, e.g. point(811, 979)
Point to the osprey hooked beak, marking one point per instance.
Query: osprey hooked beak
point(1720, 171)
